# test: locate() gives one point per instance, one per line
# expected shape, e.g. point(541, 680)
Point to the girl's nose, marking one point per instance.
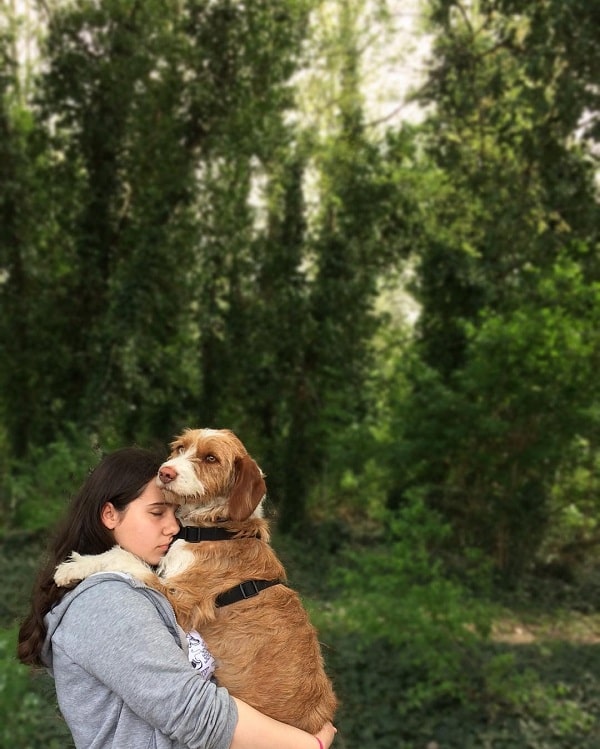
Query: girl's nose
point(172, 527)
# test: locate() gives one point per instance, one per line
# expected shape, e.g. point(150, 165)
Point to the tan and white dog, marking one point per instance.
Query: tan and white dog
point(228, 584)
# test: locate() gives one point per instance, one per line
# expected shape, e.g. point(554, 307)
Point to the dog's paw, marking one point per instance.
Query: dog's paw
point(79, 566)
point(178, 559)
point(73, 570)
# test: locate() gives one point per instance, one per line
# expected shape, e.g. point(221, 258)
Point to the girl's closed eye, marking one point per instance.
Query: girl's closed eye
point(159, 511)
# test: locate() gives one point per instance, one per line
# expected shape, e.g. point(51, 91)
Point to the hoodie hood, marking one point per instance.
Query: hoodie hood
point(55, 616)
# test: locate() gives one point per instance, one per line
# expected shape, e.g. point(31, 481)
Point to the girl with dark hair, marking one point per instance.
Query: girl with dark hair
point(119, 660)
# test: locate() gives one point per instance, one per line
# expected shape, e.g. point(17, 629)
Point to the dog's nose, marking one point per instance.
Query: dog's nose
point(167, 474)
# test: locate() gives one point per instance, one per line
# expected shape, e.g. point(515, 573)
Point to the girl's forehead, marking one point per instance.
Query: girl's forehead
point(152, 494)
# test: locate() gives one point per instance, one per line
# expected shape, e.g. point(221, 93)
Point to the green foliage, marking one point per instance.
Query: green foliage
point(572, 538)
point(172, 224)
point(507, 277)
point(426, 637)
point(542, 698)
point(411, 653)
point(142, 124)
point(180, 248)
point(398, 592)
point(34, 500)
point(27, 717)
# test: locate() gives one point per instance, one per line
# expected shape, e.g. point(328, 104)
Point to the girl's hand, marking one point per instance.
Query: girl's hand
point(326, 735)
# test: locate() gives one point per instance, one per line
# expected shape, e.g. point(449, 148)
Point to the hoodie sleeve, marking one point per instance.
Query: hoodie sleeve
point(117, 635)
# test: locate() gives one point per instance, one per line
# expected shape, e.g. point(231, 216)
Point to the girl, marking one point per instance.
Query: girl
point(123, 678)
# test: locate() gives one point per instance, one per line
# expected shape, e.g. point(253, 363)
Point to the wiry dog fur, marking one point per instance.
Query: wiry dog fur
point(266, 649)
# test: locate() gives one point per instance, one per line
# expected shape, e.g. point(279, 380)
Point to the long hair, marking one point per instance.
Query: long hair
point(119, 478)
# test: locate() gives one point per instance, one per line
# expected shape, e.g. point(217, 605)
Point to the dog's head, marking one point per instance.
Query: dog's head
point(211, 469)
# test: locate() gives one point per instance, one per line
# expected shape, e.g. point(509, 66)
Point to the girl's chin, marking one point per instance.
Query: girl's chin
point(158, 556)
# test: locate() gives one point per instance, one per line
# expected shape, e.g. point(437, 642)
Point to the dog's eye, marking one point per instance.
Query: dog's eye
point(210, 459)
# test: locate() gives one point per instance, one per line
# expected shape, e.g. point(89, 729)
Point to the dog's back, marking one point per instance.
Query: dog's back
point(266, 649)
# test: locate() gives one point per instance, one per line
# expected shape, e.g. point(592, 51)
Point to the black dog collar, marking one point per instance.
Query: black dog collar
point(195, 535)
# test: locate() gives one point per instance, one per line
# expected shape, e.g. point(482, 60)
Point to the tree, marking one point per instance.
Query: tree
point(343, 256)
point(144, 112)
point(507, 274)
point(21, 167)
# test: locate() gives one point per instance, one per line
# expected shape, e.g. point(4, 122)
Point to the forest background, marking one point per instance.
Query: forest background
point(213, 214)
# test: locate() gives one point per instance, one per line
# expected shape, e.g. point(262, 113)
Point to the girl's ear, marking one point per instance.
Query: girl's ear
point(109, 516)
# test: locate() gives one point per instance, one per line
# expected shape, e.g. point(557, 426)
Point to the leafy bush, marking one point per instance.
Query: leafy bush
point(414, 662)
point(573, 538)
point(28, 718)
point(35, 499)
point(398, 593)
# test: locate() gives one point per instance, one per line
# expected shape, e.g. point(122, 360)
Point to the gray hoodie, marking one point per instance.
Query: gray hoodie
point(123, 679)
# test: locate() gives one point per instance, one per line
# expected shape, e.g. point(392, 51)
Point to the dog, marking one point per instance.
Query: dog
point(227, 582)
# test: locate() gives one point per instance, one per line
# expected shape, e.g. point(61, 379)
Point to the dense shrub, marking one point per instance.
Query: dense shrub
point(28, 716)
point(35, 499)
point(413, 660)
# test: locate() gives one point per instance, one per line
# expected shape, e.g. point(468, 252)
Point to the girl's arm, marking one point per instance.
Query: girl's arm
point(257, 731)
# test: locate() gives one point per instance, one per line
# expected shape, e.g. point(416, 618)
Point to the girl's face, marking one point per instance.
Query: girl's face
point(145, 527)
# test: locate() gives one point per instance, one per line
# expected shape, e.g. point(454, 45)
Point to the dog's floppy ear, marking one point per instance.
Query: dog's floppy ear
point(249, 488)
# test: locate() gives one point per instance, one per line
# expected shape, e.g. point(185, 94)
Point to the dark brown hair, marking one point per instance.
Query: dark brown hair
point(119, 478)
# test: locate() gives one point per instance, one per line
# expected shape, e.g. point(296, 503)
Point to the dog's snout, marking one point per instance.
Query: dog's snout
point(167, 474)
